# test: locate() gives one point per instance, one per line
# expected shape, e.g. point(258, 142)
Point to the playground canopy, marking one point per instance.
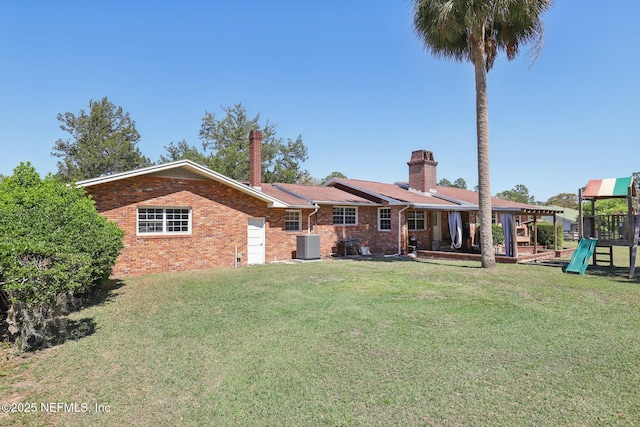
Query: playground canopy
point(611, 187)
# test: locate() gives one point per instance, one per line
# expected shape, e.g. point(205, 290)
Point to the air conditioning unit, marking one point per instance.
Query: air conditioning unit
point(308, 246)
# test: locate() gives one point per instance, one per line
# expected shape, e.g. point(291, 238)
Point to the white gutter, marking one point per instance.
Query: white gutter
point(400, 228)
point(309, 218)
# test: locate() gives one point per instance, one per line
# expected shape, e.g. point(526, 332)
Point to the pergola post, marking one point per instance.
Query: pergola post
point(630, 225)
point(555, 233)
point(580, 216)
point(514, 236)
point(535, 233)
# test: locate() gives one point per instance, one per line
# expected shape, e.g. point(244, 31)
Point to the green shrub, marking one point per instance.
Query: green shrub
point(53, 246)
point(498, 235)
point(545, 234)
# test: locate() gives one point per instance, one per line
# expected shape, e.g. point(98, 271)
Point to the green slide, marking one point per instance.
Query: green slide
point(580, 258)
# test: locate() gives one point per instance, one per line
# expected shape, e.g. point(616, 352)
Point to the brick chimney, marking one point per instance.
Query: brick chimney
point(422, 171)
point(255, 159)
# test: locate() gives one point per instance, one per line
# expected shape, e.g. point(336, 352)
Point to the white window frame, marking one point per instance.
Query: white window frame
point(297, 221)
point(415, 220)
point(163, 221)
point(387, 218)
point(343, 216)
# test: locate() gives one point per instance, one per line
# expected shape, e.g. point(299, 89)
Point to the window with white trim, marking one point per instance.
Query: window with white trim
point(384, 219)
point(164, 221)
point(292, 221)
point(345, 215)
point(415, 220)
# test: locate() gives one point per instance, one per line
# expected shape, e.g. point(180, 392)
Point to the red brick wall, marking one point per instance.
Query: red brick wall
point(379, 242)
point(219, 224)
point(281, 244)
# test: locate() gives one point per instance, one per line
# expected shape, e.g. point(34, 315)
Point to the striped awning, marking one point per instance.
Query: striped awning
point(611, 187)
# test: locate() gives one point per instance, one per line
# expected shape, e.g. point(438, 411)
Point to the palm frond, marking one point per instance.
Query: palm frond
point(445, 26)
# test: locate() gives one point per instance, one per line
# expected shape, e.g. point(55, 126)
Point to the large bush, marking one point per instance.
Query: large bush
point(545, 234)
point(53, 246)
point(497, 233)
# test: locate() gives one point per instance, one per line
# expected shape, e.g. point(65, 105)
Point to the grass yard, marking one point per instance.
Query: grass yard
point(344, 343)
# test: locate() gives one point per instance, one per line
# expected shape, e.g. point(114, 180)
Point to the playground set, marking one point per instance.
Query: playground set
point(600, 233)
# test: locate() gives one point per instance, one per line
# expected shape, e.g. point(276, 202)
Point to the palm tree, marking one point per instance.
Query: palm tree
point(476, 30)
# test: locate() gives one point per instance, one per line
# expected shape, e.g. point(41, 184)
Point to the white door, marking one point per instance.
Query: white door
point(255, 241)
point(437, 228)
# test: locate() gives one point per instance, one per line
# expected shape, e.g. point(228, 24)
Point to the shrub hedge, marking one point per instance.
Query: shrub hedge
point(545, 234)
point(54, 245)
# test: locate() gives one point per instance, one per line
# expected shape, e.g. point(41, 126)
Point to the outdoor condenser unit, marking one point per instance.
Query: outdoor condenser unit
point(308, 246)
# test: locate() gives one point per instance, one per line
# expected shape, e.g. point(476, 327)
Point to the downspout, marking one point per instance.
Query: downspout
point(315, 205)
point(400, 228)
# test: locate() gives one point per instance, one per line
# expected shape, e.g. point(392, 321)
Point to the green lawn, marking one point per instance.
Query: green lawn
point(377, 342)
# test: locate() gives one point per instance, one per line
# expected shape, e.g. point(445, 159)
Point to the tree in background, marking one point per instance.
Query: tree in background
point(607, 207)
point(458, 183)
point(476, 30)
point(53, 245)
point(225, 148)
point(332, 175)
point(566, 200)
point(103, 142)
point(519, 194)
point(182, 150)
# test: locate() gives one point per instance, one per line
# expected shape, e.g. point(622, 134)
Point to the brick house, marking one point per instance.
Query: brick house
point(182, 216)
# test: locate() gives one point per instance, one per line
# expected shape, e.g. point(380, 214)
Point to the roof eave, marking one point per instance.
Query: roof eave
point(345, 203)
point(194, 167)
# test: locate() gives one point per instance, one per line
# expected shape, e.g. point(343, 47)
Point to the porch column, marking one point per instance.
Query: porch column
point(555, 233)
point(535, 233)
point(630, 225)
point(514, 236)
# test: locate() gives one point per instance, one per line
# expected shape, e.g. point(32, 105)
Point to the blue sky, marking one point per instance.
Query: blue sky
point(351, 77)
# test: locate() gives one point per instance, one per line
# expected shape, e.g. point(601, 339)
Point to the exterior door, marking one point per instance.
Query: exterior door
point(437, 227)
point(255, 241)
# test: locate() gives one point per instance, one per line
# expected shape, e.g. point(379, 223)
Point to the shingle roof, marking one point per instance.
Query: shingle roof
point(446, 198)
point(337, 191)
point(471, 197)
point(309, 195)
point(286, 197)
point(392, 193)
point(185, 169)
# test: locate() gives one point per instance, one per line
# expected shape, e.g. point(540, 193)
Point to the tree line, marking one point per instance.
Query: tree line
point(103, 141)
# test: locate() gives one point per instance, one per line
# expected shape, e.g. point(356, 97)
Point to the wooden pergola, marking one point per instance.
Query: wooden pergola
point(536, 213)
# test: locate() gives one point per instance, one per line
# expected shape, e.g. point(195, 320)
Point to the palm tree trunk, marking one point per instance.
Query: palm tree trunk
point(488, 256)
